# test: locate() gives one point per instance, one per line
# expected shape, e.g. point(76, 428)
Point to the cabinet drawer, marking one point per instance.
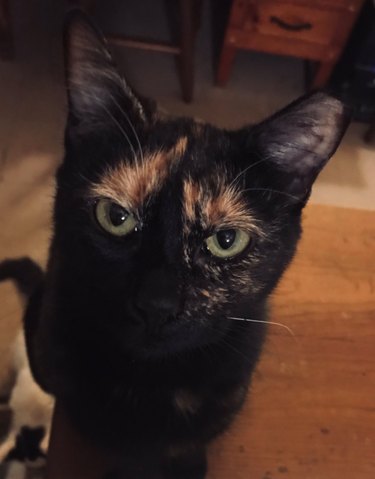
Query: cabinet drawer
point(294, 21)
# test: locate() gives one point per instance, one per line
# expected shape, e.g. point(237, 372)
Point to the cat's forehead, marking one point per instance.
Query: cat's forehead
point(132, 183)
point(139, 174)
point(206, 190)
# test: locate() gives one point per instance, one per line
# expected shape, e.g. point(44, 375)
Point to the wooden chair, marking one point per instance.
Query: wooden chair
point(184, 20)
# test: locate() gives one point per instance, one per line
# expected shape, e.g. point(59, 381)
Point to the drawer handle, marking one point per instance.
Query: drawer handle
point(297, 27)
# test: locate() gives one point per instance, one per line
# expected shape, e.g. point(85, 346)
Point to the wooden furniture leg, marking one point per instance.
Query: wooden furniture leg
point(227, 55)
point(186, 57)
point(6, 36)
point(184, 18)
point(322, 74)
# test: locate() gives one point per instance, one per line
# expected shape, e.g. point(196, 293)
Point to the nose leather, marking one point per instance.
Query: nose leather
point(158, 294)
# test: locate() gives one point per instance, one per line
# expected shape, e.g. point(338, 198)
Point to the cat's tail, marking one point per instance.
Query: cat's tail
point(26, 274)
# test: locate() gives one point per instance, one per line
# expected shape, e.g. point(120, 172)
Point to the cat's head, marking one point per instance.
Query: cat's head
point(166, 227)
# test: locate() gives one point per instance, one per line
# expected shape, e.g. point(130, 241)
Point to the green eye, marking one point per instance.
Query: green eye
point(114, 219)
point(227, 243)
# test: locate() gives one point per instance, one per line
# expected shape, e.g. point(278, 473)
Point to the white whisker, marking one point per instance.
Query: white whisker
point(270, 190)
point(247, 169)
point(123, 132)
point(102, 105)
point(265, 322)
point(126, 116)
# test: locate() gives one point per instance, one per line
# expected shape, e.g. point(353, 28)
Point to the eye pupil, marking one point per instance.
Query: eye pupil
point(226, 238)
point(117, 214)
point(114, 219)
point(227, 243)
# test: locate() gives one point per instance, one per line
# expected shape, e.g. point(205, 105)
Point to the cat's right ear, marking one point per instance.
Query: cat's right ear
point(296, 142)
point(97, 95)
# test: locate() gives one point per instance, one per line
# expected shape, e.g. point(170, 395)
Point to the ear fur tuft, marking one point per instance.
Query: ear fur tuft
point(300, 139)
point(96, 91)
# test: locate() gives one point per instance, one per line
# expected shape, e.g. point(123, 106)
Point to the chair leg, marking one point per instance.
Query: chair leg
point(322, 74)
point(186, 60)
point(227, 55)
point(6, 34)
point(197, 15)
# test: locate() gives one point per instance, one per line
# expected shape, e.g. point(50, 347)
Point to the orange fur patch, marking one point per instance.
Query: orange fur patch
point(130, 185)
point(186, 402)
point(226, 209)
point(193, 196)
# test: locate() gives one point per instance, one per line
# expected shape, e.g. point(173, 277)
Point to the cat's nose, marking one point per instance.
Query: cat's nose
point(158, 294)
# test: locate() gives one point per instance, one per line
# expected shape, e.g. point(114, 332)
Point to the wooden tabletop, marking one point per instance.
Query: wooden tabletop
point(311, 413)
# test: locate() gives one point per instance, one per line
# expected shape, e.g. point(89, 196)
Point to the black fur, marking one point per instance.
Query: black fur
point(27, 448)
point(26, 274)
point(110, 334)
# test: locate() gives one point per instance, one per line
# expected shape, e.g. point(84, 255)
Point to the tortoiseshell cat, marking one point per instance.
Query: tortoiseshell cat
point(165, 231)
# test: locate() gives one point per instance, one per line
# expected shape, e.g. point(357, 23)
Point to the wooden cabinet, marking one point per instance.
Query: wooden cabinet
point(312, 29)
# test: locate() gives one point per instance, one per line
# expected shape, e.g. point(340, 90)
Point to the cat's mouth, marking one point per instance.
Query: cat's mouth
point(167, 335)
point(157, 336)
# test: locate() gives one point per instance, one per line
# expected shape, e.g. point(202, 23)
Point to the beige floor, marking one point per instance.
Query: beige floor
point(32, 111)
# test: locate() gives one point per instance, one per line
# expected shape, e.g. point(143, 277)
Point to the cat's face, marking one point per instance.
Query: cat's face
point(167, 228)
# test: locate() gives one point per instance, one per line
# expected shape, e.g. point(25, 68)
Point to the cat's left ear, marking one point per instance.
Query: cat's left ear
point(97, 94)
point(299, 140)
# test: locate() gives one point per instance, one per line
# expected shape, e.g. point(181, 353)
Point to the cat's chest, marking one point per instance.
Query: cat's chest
point(202, 404)
point(205, 410)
